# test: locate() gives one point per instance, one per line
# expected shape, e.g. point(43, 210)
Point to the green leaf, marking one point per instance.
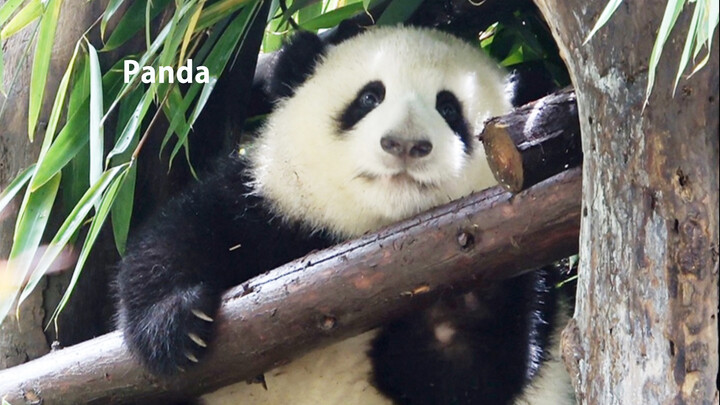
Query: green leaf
point(121, 212)
point(15, 186)
point(218, 11)
point(132, 126)
point(74, 135)
point(7, 9)
point(25, 16)
point(60, 95)
point(41, 62)
point(604, 17)
point(143, 61)
point(398, 11)
point(110, 10)
point(274, 31)
point(30, 225)
point(132, 22)
point(105, 204)
point(189, 31)
point(178, 26)
point(69, 228)
point(216, 61)
point(332, 18)
point(297, 5)
point(672, 10)
point(95, 132)
point(689, 41)
point(309, 12)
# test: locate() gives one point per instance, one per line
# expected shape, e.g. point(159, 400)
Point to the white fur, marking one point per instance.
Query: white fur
point(337, 374)
point(314, 173)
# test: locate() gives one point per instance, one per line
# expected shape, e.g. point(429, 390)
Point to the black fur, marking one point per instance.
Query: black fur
point(360, 106)
point(501, 336)
point(206, 240)
point(450, 109)
point(294, 63)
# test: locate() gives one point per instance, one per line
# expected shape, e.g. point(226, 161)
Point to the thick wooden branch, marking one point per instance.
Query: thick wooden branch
point(534, 142)
point(329, 295)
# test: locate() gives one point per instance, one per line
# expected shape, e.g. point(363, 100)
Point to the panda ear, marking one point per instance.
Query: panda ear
point(294, 63)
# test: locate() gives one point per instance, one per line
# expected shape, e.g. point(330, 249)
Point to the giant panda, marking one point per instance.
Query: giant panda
point(366, 132)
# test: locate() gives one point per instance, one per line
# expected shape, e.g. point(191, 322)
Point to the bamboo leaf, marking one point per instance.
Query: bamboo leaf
point(60, 95)
point(41, 62)
point(25, 16)
point(216, 61)
point(95, 132)
point(181, 105)
point(110, 10)
point(672, 10)
point(297, 5)
point(130, 130)
point(15, 186)
point(177, 25)
point(218, 11)
point(309, 12)
point(30, 225)
point(609, 10)
point(74, 135)
point(398, 11)
point(687, 48)
point(132, 22)
point(69, 228)
point(7, 9)
point(105, 205)
point(121, 212)
point(189, 31)
point(332, 18)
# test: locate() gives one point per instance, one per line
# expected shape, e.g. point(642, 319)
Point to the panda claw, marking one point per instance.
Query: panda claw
point(202, 315)
point(180, 369)
point(191, 357)
point(198, 341)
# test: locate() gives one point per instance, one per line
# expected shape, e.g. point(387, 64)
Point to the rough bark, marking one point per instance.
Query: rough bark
point(534, 142)
point(329, 295)
point(645, 328)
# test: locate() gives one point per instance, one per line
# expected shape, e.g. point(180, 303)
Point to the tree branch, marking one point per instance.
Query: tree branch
point(534, 142)
point(329, 295)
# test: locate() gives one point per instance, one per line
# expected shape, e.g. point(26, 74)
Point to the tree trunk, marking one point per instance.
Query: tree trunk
point(645, 329)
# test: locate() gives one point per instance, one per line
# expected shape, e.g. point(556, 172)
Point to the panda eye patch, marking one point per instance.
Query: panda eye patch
point(449, 107)
point(369, 97)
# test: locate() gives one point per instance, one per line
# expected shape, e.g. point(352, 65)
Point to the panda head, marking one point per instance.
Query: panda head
point(384, 126)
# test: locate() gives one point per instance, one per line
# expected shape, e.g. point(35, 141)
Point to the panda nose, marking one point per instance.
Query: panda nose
point(405, 148)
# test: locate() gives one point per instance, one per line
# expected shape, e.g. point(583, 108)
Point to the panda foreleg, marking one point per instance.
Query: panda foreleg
point(175, 269)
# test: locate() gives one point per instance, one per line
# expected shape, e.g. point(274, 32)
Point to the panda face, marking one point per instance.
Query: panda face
point(383, 129)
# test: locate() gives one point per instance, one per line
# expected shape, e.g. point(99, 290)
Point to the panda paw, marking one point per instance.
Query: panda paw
point(171, 334)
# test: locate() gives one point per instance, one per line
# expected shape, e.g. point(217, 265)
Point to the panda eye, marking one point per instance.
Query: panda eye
point(369, 99)
point(370, 96)
point(448, 111)
point(448, 106)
